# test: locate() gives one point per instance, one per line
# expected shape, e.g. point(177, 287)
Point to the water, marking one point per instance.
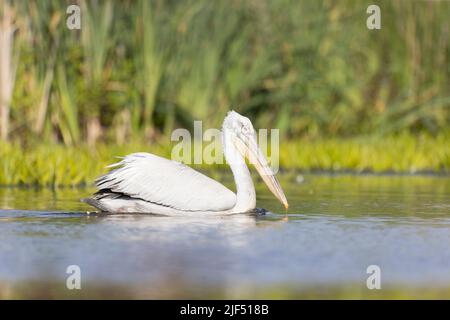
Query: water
point(336, 227)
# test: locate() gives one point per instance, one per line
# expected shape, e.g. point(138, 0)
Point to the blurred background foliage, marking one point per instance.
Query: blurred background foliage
point(138, 69)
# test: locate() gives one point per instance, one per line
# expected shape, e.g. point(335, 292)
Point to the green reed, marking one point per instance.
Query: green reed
point(309, 68)
point(344, 97)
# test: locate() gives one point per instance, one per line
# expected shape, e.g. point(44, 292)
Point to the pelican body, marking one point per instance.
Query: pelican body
point(146, 183)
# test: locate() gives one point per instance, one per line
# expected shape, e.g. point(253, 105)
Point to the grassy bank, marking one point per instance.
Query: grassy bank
point(58, 165)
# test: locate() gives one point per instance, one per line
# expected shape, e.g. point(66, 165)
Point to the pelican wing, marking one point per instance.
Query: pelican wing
point(166, 182)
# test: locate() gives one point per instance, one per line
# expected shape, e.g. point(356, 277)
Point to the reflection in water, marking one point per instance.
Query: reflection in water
point(337, 226)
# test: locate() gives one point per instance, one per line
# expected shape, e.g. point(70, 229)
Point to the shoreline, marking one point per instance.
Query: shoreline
point(46, 164)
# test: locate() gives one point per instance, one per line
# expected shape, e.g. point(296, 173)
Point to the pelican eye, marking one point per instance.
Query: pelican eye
point(245, 129)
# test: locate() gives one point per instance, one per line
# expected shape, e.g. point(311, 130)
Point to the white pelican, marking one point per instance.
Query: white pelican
point(146, 183)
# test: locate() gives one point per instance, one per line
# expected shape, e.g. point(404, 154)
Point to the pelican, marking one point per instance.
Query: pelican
point(146, 183)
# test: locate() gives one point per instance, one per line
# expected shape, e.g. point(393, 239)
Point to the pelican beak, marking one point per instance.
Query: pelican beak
point(249, 149)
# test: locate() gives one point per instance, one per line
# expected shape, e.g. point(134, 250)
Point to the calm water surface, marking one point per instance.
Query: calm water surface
point(335, 228)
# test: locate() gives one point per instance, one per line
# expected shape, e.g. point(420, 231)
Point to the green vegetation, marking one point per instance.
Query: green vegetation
point(343, 96)
point(60, 165)
point(401, 153)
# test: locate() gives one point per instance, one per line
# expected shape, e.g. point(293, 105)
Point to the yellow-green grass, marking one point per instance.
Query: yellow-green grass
point(403, 153)
point(58, 165)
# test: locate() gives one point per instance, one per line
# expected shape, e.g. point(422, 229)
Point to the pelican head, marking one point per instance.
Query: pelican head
point(239, 134)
